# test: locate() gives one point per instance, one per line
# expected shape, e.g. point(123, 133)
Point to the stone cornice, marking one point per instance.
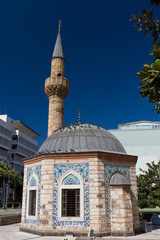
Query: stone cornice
point(112, 157)
point(58, 90)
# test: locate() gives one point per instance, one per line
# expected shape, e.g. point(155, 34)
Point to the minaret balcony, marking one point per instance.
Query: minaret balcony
point(58, 80)
point(57, 86)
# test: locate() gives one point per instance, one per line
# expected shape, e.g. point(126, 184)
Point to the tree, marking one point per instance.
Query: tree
point(150, 76)
point(156, 2)
point(15, 181)
point(149, 186)
point(6, 170)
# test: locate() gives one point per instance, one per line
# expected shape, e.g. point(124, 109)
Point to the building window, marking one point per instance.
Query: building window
point(32, 203)
point(70, 202)
point(14, 137)
point(14, 146)
point(71, 197)
point(32, 198)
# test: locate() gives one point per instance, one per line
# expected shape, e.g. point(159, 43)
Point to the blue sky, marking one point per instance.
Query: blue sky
point(103, 54)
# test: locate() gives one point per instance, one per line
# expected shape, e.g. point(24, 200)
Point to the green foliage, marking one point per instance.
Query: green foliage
point(15, 181)
point(145, 21)
point(156, 2)
point(149, 186)
point(153, 212)
point(150, 76)
point(150, 79)
point(6, 170)
point(16, 178)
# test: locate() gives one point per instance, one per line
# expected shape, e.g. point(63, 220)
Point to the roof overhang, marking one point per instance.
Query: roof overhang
point(25, 129)
point(110, 157)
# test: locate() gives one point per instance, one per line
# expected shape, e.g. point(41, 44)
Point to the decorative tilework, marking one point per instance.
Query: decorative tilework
point(109, 170)
point(36, 170)
point(69, 223)
point(30, 171)
point(71, 180)
point(83, 170)
point(33, 182)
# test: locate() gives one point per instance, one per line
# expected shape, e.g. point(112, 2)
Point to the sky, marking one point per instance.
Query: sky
point(103, 53)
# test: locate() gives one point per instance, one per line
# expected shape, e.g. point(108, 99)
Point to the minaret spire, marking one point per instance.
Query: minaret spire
point(59, 27)
point(56, 86)
point(58, 48)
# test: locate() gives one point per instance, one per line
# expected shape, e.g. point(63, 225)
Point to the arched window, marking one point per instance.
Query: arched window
point(59, 75)
point(32, 197)
point(71, 197)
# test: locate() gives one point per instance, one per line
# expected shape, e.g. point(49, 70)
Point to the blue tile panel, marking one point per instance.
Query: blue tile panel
point(30, 171)
point(109, 170)
point(71, 180)
point(33, 182)
point(59, 170)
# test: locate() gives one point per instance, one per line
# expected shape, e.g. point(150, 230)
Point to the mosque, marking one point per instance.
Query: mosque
point(81, 179)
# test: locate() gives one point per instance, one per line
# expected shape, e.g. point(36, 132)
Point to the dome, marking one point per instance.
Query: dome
point(81, 138)
point(118, 179)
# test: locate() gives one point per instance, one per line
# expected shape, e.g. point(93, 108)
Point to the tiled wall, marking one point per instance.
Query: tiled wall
point(83, 170)
point(30, 172)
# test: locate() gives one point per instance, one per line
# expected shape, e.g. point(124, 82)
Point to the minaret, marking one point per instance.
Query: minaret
point(56, 87)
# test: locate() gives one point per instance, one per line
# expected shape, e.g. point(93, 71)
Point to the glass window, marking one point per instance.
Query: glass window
point(14, 146)
point(32, 203)
point(14, 137)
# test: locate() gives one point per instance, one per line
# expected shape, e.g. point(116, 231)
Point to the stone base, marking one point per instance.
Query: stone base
point(80, 235)
point(122, 234)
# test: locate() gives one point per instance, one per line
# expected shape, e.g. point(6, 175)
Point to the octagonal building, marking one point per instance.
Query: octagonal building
point(81, 179)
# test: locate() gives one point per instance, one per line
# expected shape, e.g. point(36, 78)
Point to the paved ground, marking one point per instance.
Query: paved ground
point(11, 232)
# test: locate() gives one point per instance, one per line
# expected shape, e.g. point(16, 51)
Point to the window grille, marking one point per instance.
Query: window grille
point(32, 203)
point(70, 202)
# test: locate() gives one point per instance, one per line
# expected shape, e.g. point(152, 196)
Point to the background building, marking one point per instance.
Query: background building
point(16, 142)
point(141, 139)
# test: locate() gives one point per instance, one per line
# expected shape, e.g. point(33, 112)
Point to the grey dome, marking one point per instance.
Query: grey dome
point(81, 138)
point(117, 179)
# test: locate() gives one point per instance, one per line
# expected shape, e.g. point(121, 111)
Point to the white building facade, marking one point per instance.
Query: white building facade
point(16, 142)
point(141, 139)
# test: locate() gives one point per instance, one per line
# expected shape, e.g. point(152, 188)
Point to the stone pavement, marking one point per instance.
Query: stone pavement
point(11, 232)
